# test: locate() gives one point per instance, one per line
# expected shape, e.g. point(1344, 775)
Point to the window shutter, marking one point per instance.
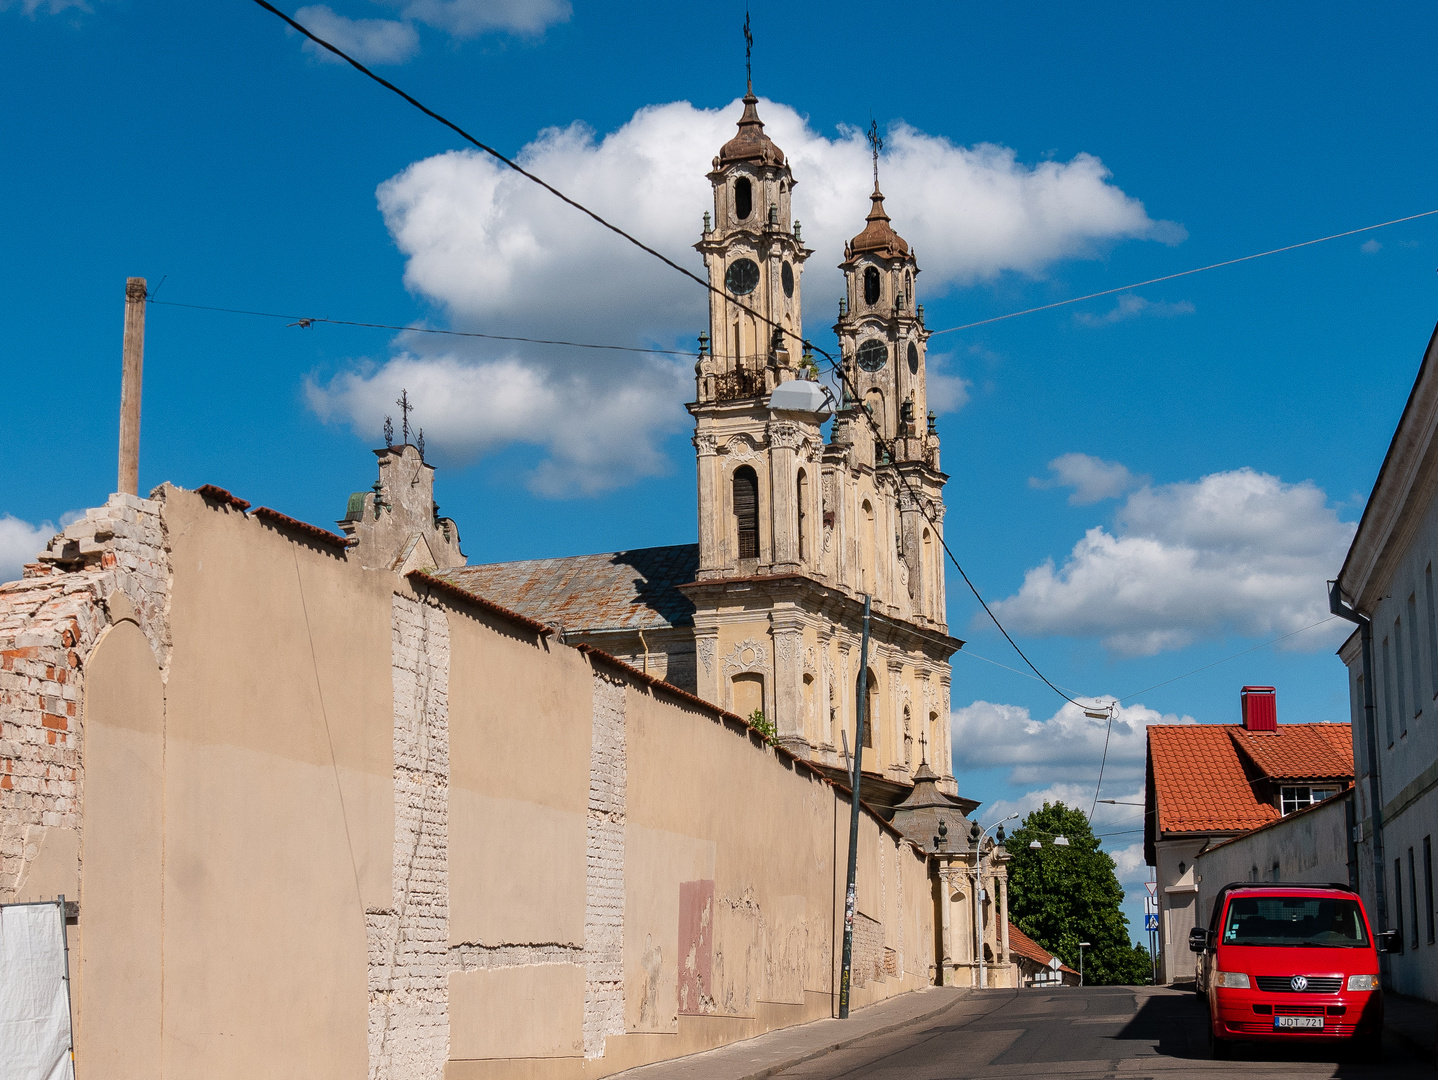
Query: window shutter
point(746, 512)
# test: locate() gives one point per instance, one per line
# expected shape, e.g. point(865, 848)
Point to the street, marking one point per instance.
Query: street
point(1107, 1032)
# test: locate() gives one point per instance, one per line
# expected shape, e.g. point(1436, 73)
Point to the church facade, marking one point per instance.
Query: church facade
point(764, 614)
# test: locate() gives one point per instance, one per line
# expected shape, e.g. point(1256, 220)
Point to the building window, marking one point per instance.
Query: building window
point(1432, 629)
point(746, 511)
point(1398, 688)
point(803, 496)
point(1413, 655)
point(1398, 901)
point(1301, 798)
point(871, 709)
point(1387, 693)
point(1428, 883)
point(1413, 893)
point(871, 285)
point(743, 198)
point(868, 541)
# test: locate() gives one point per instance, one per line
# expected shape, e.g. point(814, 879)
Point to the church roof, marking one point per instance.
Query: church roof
point(616, 590)
point(879, 236)
point(751, 144)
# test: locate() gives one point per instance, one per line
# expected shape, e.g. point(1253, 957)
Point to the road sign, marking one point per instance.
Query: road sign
point(1150, 922)
point(1055, 963)
point(1152, 887)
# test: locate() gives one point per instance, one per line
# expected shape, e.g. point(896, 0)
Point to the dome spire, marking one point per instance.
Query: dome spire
point(751, 144)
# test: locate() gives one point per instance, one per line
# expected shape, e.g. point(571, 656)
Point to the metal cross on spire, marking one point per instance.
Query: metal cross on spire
point(877, 144)
point(405, 408)
point(748, 53)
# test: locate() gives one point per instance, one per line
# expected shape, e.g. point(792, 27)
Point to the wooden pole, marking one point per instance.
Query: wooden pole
point(132, 372)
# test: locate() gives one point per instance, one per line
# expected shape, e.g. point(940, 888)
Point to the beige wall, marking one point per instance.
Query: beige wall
point(397, 830)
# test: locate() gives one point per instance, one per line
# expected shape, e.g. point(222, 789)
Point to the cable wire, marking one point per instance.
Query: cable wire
point(1182, 273)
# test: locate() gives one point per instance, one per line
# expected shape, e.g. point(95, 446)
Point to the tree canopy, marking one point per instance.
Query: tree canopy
point(1060, 896)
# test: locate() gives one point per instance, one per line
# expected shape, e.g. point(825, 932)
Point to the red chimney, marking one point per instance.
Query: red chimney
point(1260, 708)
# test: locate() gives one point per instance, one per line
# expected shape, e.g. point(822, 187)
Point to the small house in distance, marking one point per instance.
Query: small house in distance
point(1209, 782)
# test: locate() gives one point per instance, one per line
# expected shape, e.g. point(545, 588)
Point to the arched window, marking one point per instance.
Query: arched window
point(803, 496)
point(747, 689)
point(930, 748)
point(746, 511)
point(908, 741)
point(743, 198)
point(930, 589)
point(871, 285)
point(871, 711)
point(866, 548)
point(811, 724)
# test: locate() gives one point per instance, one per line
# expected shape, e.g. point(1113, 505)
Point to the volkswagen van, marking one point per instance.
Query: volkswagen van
point(1283, 963)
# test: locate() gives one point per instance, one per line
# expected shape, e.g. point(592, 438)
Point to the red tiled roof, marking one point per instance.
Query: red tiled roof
point(1299, 751)
point(1202, 782)
point(618, 590)
point(1029, 949)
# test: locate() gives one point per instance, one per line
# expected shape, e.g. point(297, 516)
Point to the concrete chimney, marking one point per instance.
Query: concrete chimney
point(132, 373)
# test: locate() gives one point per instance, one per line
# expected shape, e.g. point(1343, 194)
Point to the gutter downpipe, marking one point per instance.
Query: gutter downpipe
point(1351, 613)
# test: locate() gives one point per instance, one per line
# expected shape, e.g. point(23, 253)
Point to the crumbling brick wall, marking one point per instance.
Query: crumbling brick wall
point(111, 565)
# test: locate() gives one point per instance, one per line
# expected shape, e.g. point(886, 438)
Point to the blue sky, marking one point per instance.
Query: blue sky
point(1190, 456)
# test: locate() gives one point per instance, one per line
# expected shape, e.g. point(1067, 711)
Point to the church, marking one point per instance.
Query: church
point(764, 614)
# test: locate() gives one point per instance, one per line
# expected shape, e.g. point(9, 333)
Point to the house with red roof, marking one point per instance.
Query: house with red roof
point(1209, 782)
point(1036, 965)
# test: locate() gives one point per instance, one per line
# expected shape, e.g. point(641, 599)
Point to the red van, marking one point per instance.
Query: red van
point(1283, 963)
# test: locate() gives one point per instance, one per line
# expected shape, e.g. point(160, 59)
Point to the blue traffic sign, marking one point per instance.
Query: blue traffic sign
point(1150, 922)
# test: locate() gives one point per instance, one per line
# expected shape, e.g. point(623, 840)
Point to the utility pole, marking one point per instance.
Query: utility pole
point(861, 707)
point(131, 376)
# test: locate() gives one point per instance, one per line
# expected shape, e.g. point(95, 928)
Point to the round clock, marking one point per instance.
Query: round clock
point(786, 278)
point(742, 277)
point(913, 359)
point(872, 355)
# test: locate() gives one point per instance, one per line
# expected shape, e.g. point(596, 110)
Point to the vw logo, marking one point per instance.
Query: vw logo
point(1299, 983)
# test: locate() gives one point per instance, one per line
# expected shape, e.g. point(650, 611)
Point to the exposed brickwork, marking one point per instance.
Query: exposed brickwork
point(409, 955)
point(49, 623)
point(604, 861)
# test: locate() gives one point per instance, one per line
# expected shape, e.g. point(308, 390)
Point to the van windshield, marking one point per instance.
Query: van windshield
point(1310, 921)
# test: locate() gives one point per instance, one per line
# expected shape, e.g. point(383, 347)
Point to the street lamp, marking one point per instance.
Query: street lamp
point(1082, 946)
point(978, 837)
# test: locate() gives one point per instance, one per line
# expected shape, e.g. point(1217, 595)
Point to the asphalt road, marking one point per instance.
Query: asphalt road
point(1113, 1033)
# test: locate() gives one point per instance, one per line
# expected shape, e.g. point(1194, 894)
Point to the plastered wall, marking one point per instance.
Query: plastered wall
point(363, 826)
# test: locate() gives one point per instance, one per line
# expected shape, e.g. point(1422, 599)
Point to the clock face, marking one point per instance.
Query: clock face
point(913, 359)
point(872, 355)
point(786, 278)
point(742, 277)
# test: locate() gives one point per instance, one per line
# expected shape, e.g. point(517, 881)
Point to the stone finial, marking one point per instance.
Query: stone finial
point(397, 526)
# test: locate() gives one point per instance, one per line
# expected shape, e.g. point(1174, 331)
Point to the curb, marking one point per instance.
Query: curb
point(845, 1041)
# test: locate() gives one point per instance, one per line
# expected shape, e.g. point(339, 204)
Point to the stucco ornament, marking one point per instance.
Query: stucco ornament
point(707, 445)
point(741, 448)
point(787, 644)
point(785, 434)
point(706, 647)
point(748, 655)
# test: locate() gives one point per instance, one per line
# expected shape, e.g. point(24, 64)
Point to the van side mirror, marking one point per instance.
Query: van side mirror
point(1390, 941)
point(1198, 939)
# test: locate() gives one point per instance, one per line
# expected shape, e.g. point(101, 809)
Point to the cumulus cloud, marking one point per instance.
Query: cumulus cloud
point(948, 391)
point(1236, 552)
point(1370, 247)
point(1091, 478)
point(1066, 747)
point(470, 18)
point(1131, 307)
point(48, 7)
point(20, 542)
point(370, 41)
point(499, 255)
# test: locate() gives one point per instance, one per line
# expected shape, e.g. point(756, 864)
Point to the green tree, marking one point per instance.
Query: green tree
point(1060, 896)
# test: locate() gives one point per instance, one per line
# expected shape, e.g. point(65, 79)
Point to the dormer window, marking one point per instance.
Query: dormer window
point(871, 285)
point(1301, 798)
point(743, 198)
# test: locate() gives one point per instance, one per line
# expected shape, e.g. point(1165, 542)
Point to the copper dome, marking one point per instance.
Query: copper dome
point(879, 236)
point(751, 144)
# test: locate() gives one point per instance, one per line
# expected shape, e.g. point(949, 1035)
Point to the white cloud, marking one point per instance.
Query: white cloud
point(1091, 478)
point(470, 18)
point(948, 392)
point(1067, 746)
point(1370, 247)
point(1131, 307)
point(370, 41)
point(500, 255)
point(48, 7)
point(1236, 552)
point(20, 542)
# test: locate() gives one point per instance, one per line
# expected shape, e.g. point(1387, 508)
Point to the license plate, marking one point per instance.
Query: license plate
point(1302, 1023)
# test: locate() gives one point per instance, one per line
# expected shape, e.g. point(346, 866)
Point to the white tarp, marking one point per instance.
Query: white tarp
point(34, 995)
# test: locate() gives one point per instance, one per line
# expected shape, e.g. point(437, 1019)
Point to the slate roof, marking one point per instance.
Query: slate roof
point(1205, 775)
point(616, 590)
point(1029, 949)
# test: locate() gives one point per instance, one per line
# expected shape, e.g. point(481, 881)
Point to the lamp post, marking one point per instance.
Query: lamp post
point(979, 894)
point(1082, 946)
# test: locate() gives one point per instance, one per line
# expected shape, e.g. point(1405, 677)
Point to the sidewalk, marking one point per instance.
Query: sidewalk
point(1412, 1021)
point(757, 1058)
